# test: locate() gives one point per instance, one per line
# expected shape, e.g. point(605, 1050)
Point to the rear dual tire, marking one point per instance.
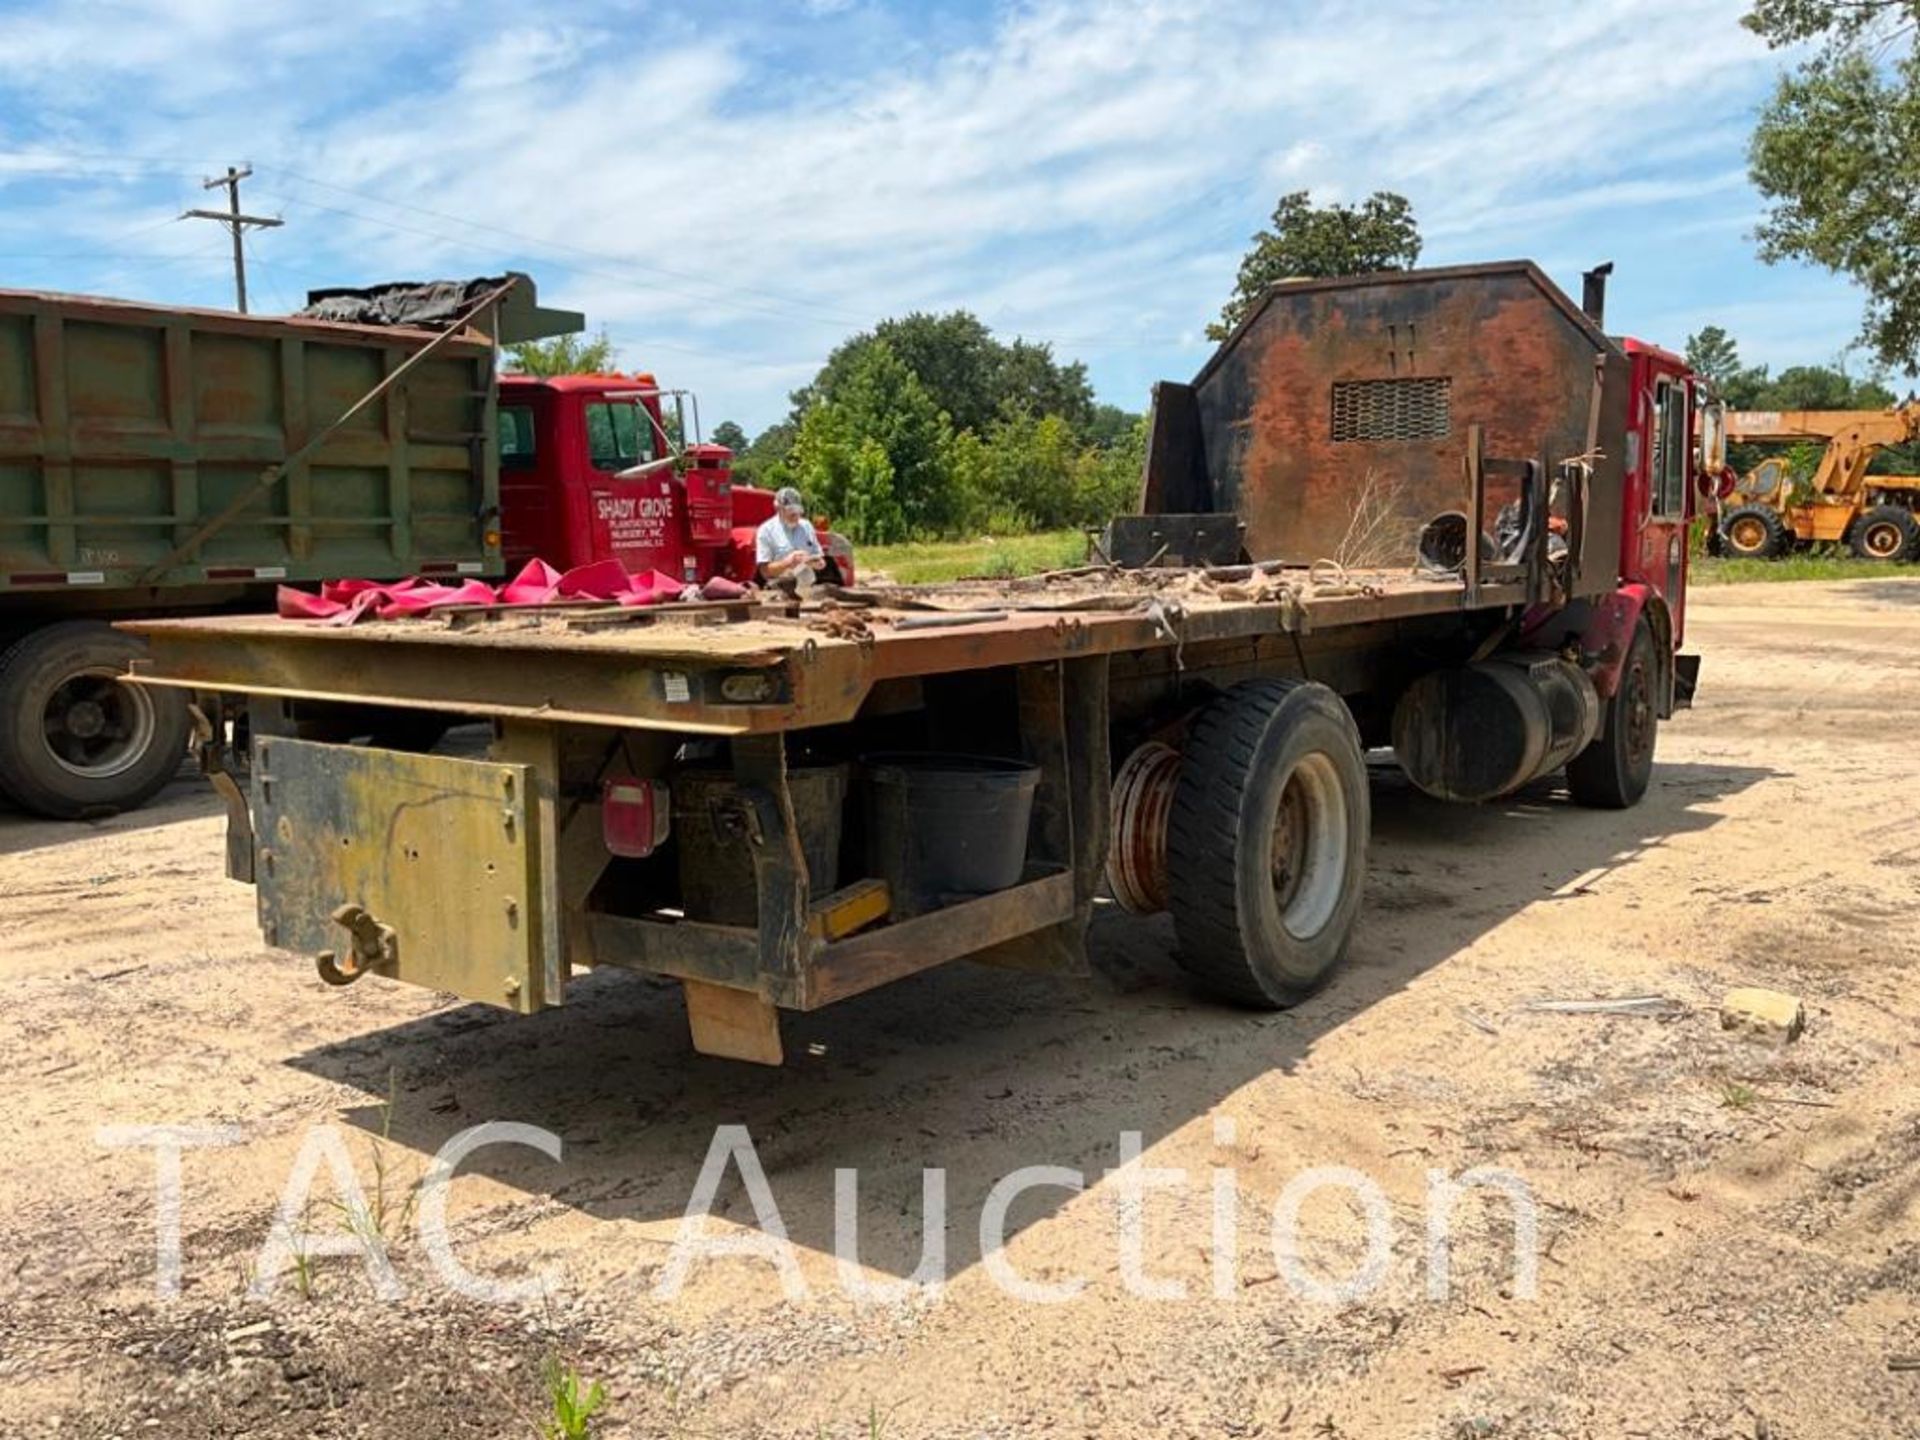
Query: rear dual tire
point(76, 739)
point(1267, 844)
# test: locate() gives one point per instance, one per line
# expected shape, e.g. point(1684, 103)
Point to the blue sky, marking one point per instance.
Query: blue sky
point(731, 190)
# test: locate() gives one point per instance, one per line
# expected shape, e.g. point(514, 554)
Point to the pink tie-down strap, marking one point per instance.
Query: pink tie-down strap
point(347, 602)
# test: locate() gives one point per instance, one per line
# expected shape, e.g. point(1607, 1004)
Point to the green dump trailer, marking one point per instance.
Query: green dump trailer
point(163, 462)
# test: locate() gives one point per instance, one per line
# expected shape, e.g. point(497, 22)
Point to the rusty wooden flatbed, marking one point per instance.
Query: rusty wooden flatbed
point(620, 669)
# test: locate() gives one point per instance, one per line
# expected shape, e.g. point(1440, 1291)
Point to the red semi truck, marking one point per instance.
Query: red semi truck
point(168, 462)
point(1438, 511)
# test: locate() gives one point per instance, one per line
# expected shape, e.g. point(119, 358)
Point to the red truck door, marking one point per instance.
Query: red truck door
point(1660, 497)
point(633, 512)
point(533, 521)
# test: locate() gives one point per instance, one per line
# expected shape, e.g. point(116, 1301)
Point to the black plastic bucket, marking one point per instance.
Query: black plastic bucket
point(717, 882)
point(944, 827)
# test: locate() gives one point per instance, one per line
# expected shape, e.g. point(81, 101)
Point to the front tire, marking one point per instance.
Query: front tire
point(1754, 532)
point(1613, 772)
point(1267, 847)
point(77, 740)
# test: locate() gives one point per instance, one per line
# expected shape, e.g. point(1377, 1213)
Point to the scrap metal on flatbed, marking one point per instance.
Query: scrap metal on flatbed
point(1439, 511)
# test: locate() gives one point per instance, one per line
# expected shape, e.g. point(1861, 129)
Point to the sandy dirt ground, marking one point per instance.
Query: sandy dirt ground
point(1728, 1243)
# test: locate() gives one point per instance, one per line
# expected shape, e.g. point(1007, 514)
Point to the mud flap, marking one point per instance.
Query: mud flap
point(1686, 679)
point(437, 856)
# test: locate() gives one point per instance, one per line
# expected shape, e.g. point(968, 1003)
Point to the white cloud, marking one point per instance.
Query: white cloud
point(1079, 169)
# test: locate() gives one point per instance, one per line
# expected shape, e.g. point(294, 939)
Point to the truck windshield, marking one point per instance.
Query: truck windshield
point(618, 435)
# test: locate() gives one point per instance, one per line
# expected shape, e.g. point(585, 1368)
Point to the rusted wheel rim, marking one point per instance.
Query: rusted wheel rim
point(1638, 713)
point(1747, 533)
point(1881, 539)
point(96, 725)
point(1309, 859)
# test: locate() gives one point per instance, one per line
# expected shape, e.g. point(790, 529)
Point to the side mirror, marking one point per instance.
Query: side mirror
point(1712, 457)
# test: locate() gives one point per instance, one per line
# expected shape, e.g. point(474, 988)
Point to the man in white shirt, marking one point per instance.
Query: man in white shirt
point(785, 544)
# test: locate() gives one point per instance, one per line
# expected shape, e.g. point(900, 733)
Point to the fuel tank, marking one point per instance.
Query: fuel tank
point(1476, 732)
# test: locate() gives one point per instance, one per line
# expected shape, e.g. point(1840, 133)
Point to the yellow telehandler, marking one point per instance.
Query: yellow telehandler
point(1767, 514)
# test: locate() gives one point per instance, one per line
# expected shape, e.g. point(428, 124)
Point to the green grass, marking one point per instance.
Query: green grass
point(572, 1403)
point(931, 561)
point(1802, 565)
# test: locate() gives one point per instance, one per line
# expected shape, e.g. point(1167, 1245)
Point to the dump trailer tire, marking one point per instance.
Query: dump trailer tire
point(1267, 845)
point(1886, 532)
point(1613, 772)
point(1754, 532)
point(75, 741)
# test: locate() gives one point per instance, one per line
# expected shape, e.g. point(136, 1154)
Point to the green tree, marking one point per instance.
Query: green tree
point(764, 462)
point(1109, 483)
point(730, 435)
point(954, 356)
point(563, 355)
point(1308, 240)
point(820, 463)
point(872, 509)
point(1032, 468)
point(1842, 22)
point(969, 472)
point(969, 373)
point(1111, 425)
point(1713, 353)
point(1031, 379)
point(1815, 387)
point(1833, 153)
point(878, 400)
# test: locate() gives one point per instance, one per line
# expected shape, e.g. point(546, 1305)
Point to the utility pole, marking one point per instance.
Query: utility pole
point(236, 223)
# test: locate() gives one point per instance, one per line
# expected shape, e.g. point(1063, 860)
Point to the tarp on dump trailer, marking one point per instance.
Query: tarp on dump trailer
point(438, 304)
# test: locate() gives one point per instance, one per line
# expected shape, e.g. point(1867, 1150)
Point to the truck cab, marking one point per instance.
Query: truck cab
point(1668, 408)
point(591, 470)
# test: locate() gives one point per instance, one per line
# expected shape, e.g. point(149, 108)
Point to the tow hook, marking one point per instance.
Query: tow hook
point(210, 750)
point(373, 945)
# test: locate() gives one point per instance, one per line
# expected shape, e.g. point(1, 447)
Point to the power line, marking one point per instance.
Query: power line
point(725, 295)
point(236, 223)
point(126, 234)
point(725, 290)
point(718, 301)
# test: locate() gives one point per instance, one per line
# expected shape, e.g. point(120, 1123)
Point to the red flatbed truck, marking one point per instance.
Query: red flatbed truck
point(1299, 587)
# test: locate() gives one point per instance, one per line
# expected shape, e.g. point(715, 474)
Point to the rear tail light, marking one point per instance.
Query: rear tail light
point(634, 816)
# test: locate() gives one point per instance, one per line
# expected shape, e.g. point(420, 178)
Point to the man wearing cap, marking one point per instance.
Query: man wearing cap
point(785, 543)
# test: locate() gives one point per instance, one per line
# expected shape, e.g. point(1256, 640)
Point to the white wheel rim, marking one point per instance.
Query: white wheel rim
point(97, 726)
point(1308, 861)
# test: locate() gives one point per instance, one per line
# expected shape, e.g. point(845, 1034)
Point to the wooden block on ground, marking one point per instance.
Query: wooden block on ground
point(1764, 1012)
point(733, 1024)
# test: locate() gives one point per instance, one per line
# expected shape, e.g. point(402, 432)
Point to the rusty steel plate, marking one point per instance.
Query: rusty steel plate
point(439, 850)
